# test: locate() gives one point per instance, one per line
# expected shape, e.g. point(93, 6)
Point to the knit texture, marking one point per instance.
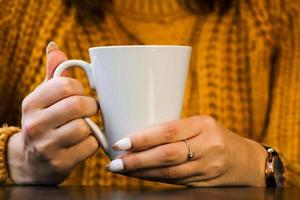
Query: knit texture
point(245, 65)
point(5, 133)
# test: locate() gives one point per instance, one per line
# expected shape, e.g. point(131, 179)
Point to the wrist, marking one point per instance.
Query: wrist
point(256, 159)
point(15, 159)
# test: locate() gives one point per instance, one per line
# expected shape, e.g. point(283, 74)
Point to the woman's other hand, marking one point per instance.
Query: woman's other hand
point(220, 157)
point(54, 137)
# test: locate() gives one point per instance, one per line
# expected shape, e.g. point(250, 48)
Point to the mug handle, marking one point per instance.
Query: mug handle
point(88, 70)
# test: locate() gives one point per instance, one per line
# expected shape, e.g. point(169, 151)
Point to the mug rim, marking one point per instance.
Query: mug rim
point(139, 46)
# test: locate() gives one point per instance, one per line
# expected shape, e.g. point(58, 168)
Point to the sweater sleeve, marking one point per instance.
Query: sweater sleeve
point(5, 133)
point(283, 131)
point(9, 17)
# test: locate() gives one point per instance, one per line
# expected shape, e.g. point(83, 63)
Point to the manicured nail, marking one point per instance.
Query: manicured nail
point(52, 46)
point(115, 165)
point(122, 145)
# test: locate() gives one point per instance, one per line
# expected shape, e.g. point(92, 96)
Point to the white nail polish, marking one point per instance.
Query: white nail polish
point(116, 165)
point(52, 46)
point(122, 145)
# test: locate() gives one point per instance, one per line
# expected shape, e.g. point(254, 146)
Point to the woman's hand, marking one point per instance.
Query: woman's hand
point(54, 138)
point(221, 157)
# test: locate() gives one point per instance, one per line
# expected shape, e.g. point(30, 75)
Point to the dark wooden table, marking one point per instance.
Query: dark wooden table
point(91, 193)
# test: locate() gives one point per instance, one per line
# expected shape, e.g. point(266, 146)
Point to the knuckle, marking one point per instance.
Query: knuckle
point(94, 144)
point(26, 104)
point(30, 128)
point(170, 132)
point(74, 105)
point(193, 121)
point(60, 166)
point(77, 84)
point(65, 85)
point(140, 140)
point(218, 147)
point(42, 151)
point(210, 121)
point(169, 154)
point(217, 168)
point(196, 118)
point(169, 173)
point(82, 127)
point(133, 162)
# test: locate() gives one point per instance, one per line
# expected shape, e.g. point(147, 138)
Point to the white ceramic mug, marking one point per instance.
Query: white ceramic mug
point(138, 86)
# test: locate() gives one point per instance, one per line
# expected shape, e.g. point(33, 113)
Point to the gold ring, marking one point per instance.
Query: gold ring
point(191, 154)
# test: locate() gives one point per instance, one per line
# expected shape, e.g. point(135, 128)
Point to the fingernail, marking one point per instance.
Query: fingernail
point(52, 46)
point(122, 145)
point(115, 165)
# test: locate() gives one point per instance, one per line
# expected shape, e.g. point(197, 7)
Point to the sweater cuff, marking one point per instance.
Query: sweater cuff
point(5, 133)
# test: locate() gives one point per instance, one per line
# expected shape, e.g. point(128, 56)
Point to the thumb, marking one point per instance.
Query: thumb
point(54, 58)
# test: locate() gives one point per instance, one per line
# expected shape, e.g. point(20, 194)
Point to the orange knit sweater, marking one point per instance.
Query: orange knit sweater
point(245, 67)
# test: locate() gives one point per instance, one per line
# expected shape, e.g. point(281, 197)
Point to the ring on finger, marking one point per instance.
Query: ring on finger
point(191, 154)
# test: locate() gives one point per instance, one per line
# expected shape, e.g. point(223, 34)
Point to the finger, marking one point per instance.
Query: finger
point(54, 58)
point(70, 108)
point(82, 150)
point(51, 92)
point(70, 133)
point(162, 134)
point(163, 155)
point(185, 170)
point(64, 111)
